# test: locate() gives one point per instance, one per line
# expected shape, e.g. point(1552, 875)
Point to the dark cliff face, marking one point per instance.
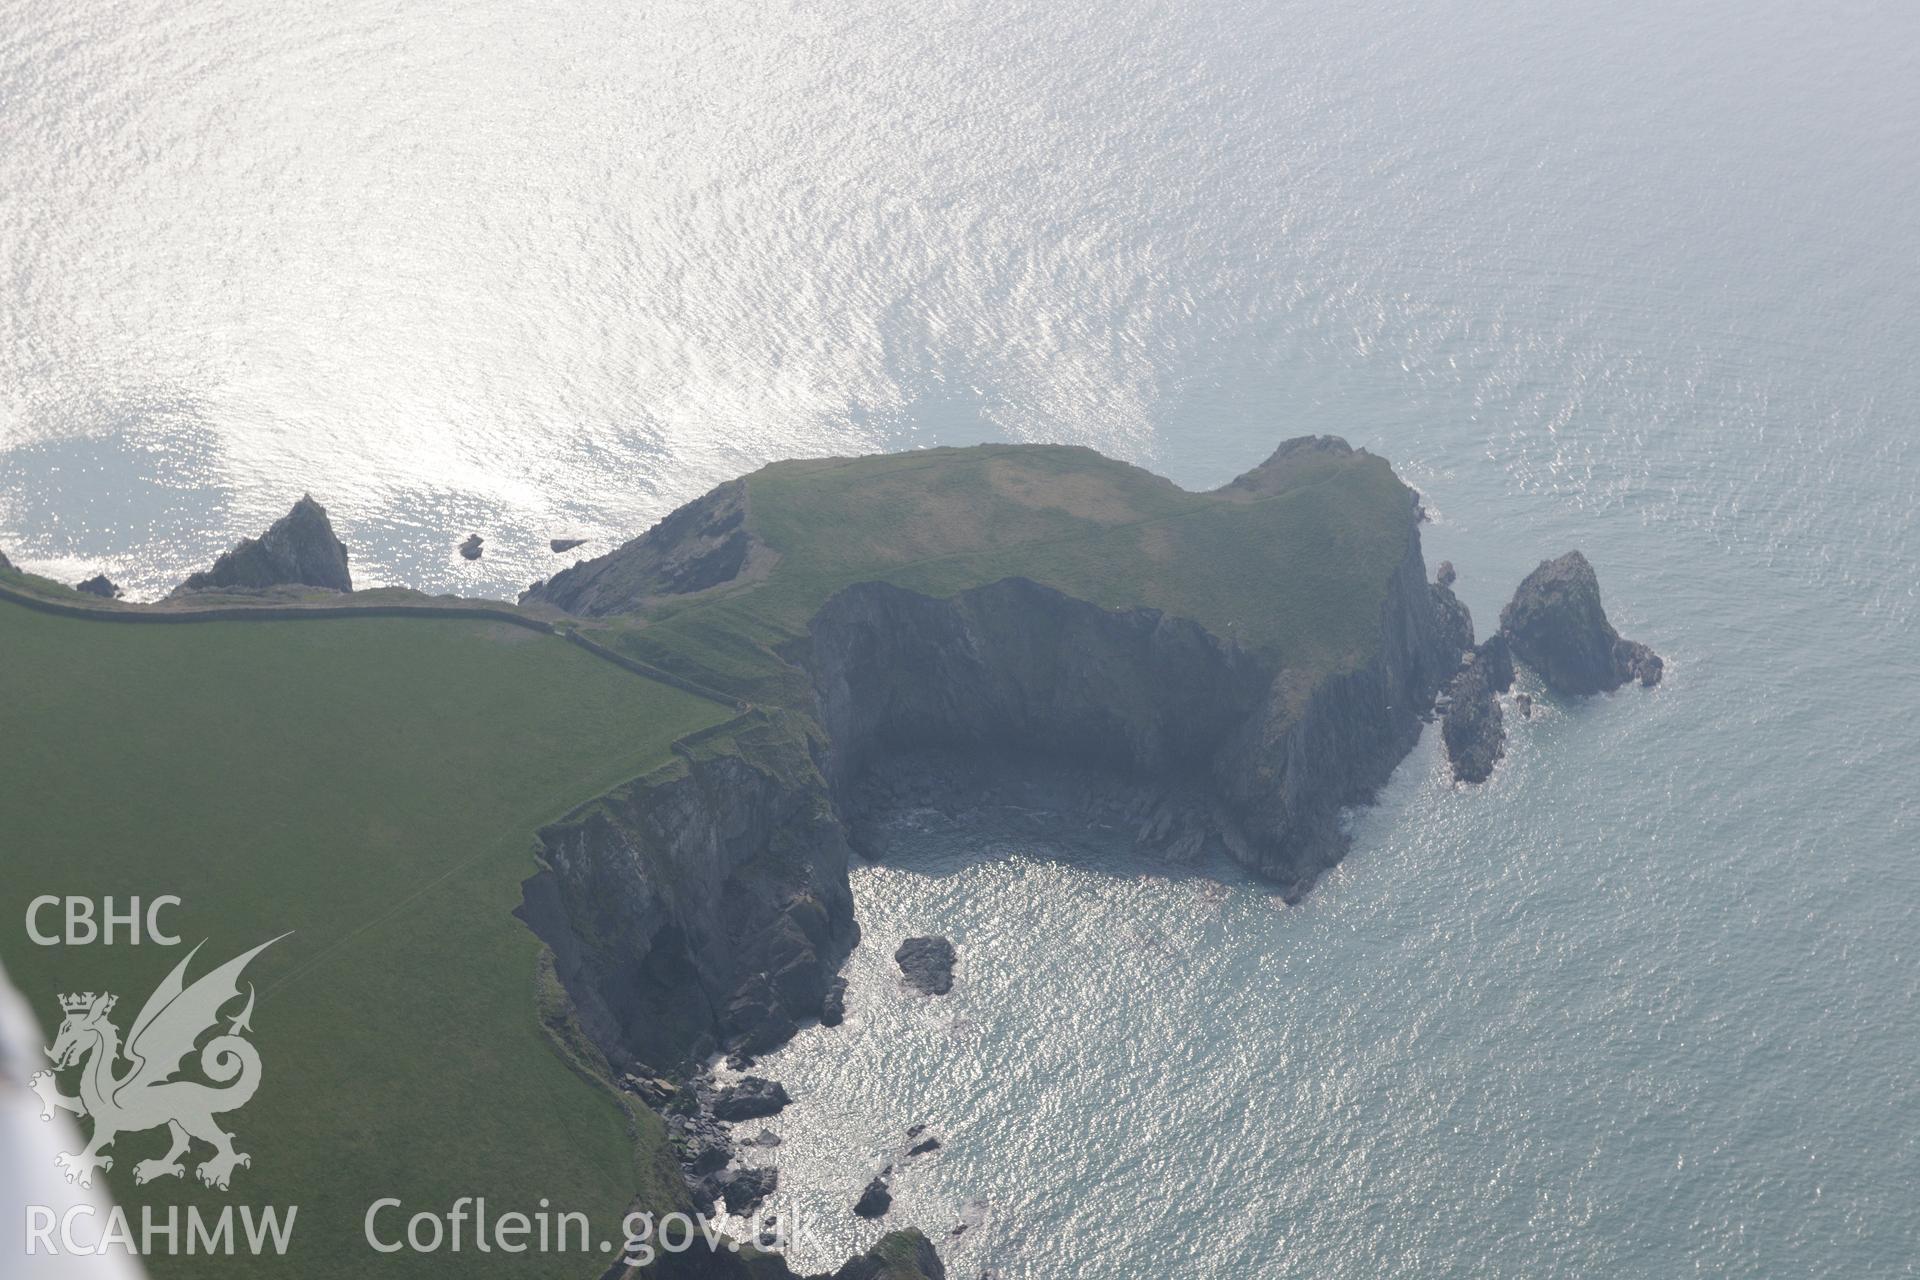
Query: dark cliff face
point(1019, 667)
point(299, 549)
point(703, 544)
point(708, 903)
point(1312, 749)
point(1556, 625)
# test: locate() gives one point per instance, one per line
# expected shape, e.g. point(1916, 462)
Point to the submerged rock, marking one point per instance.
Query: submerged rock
point(299, 549)
point(1557, 626)
point(927, 964)
point(750, 1098)
point(471, 548)
point(99, 585)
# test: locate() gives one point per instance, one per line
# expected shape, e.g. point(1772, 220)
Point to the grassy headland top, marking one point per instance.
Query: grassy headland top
point(1292, 560)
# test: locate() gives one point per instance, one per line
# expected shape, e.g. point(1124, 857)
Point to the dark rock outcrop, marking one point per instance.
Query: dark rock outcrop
point(926, 964)
point(750, 1098)
point(473, 547)
point(743, 1189)
point(702, 905)
point(875, 1200)
point(6, 563)
point(1445, 574)
point(99, 585)
point(923, 1146)
point(1473, 729)
point(565, 544)
point(701, 545)
point(298, 550)
point(900, 1255)
point(1556, 625)
point(833, 1008)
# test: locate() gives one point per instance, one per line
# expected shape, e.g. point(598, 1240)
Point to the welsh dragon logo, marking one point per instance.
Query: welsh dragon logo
point(147, 1094)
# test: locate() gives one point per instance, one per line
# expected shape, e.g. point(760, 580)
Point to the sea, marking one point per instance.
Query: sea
point(1639, 278)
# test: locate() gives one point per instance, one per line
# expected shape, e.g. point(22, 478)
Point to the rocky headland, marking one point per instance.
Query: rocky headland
point(1219, 674)
point(299, 549)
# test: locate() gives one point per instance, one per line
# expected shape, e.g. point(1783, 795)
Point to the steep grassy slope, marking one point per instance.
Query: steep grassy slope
point(372, 785)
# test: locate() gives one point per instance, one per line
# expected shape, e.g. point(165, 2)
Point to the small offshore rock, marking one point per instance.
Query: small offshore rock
point(833, 1007)
point(471, 547)
point(1445, 575)
point(566, 544)
point(922, 1148)
point(1557, 626)
point(99, 585)
point(927, 963)
point(914, 1131)
point(1523, 703)
point(750, 1098)
point(1472, 729)
point(875, 1200)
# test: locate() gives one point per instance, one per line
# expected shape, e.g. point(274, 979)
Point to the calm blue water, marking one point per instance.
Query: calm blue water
point(1640, 279)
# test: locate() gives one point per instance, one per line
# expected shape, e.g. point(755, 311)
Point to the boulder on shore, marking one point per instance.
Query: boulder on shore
point(298, 550)
point(1556, 625)
point(750, 1098)
point(927, 964)
point(99, 585)
point(743, 1189)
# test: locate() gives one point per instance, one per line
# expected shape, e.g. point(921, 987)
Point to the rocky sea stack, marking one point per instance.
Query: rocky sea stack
point(1557, 626)
point(99, 585)
point(926, 965)
point(298, 550)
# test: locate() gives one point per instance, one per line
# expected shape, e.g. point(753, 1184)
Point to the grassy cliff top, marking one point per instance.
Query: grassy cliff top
point(371, 784)
point(1292, 560)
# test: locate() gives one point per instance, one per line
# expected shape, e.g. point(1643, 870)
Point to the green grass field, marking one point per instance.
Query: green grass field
point(1296, 572)
point(374, 786)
